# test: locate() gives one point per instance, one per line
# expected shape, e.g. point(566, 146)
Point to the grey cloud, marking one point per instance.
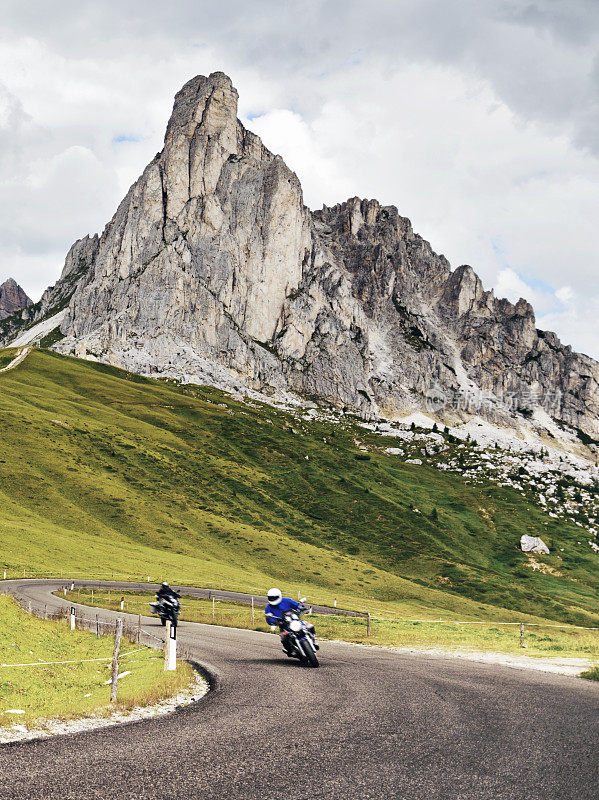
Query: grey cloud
point(538, 56)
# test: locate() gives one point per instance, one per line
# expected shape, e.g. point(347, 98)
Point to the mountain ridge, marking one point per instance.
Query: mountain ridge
point(13, 298)
point(214, 271)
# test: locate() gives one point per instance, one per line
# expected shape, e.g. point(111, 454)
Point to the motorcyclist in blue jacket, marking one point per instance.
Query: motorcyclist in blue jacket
point(277, 605)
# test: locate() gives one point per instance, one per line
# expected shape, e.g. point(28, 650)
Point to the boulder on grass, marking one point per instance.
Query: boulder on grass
point(533, 544)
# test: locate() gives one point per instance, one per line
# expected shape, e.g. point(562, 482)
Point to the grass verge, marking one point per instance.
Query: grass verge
point(67, 691)
point(591, 674)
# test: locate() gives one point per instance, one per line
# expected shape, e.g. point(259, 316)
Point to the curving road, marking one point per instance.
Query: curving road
point(369, 725)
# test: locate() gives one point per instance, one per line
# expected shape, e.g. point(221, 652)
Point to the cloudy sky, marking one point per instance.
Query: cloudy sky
point(478, 120)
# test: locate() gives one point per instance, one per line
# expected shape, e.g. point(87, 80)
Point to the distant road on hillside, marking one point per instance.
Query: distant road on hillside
point(18, 359)
point(370, 724)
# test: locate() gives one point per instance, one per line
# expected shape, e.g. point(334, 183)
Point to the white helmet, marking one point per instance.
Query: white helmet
point(274, 596)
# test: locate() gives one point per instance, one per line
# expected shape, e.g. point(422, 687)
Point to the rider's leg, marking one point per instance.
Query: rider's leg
point(285, 641)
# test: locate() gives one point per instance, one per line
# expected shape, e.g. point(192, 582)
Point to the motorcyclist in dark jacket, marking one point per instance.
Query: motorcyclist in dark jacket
point(166, 592)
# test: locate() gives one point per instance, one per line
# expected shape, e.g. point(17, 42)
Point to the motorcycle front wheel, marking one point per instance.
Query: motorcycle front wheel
point(311, 658)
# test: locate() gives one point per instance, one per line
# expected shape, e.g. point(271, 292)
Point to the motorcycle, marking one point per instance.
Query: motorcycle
point(167, 608)
point(299, 638)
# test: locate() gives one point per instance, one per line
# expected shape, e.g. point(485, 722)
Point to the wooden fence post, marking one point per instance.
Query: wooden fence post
point(115, 660)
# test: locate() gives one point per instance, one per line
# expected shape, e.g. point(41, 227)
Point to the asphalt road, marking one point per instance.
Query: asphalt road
point(202, 593)
point(369, 724)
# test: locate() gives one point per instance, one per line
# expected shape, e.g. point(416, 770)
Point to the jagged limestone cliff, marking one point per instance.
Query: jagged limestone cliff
point(213, 268)
point(12, 298)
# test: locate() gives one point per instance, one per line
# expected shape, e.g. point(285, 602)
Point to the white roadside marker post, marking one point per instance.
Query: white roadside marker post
point(212, 606)
point(72, 618)
point(253, 617)
point(368, 623)
point(521, 634)
point(170, 647)
point(4, 574)
point(115, 660)
point(122, 603)
point(97, 626)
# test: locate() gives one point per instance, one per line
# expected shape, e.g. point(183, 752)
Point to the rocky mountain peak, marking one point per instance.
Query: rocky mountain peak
point(463, 290)
point(212, 270)
point(209, 102)
point(12, 298)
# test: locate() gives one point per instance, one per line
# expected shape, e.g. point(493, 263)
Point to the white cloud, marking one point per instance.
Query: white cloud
point(284, 131)
point(511, 286)
point(565, 295)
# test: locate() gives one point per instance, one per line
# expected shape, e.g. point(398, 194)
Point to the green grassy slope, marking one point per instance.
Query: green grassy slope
point(104, 471)
point(6, 356)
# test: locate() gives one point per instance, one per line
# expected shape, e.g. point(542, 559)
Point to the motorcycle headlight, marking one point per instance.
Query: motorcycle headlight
point(295, 625)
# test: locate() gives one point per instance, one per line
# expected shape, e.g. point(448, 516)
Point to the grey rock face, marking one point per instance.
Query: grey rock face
point(12, 298)
point(79, 261)
point(213, 269)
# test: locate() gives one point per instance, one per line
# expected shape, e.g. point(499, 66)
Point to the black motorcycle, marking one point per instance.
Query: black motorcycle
point(167, 608)
point(299, 638)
